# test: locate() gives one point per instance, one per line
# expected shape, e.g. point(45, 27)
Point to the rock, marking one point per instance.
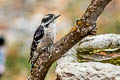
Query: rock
point(69, 68)
point(102, 48)
point(100, 41)
point(88, 71)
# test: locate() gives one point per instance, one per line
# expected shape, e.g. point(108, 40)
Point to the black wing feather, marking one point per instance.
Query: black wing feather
point(39, 33)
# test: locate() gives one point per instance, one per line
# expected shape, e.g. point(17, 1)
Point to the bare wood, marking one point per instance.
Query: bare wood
point(85, 26)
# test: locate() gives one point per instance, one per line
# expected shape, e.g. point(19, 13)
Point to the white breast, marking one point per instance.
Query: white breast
point(51, 31)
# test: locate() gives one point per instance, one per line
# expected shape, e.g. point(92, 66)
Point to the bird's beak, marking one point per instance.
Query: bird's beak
point(57, 16)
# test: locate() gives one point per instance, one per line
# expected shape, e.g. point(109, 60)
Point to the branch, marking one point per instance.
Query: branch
point(85, 26)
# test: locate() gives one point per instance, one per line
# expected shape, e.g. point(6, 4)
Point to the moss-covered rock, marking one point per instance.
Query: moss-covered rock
point(102, 48)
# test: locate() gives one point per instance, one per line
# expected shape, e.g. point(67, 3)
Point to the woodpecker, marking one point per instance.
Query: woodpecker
point(43, 37)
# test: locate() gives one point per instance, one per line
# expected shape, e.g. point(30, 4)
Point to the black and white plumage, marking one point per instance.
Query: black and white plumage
point(44, 36)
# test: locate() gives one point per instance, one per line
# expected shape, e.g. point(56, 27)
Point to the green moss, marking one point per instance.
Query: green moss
point(115, 61)
point(91, 55)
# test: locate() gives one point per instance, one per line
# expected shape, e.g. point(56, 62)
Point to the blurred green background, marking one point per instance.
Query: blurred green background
point(20, 18)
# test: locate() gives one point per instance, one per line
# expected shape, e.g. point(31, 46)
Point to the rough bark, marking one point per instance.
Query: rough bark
point(68, 67)
point(85, 26)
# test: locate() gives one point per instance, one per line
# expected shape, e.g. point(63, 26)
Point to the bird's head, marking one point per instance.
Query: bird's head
point(49, 18)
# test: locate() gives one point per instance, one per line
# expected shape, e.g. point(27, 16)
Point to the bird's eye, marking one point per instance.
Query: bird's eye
point(48, 18)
